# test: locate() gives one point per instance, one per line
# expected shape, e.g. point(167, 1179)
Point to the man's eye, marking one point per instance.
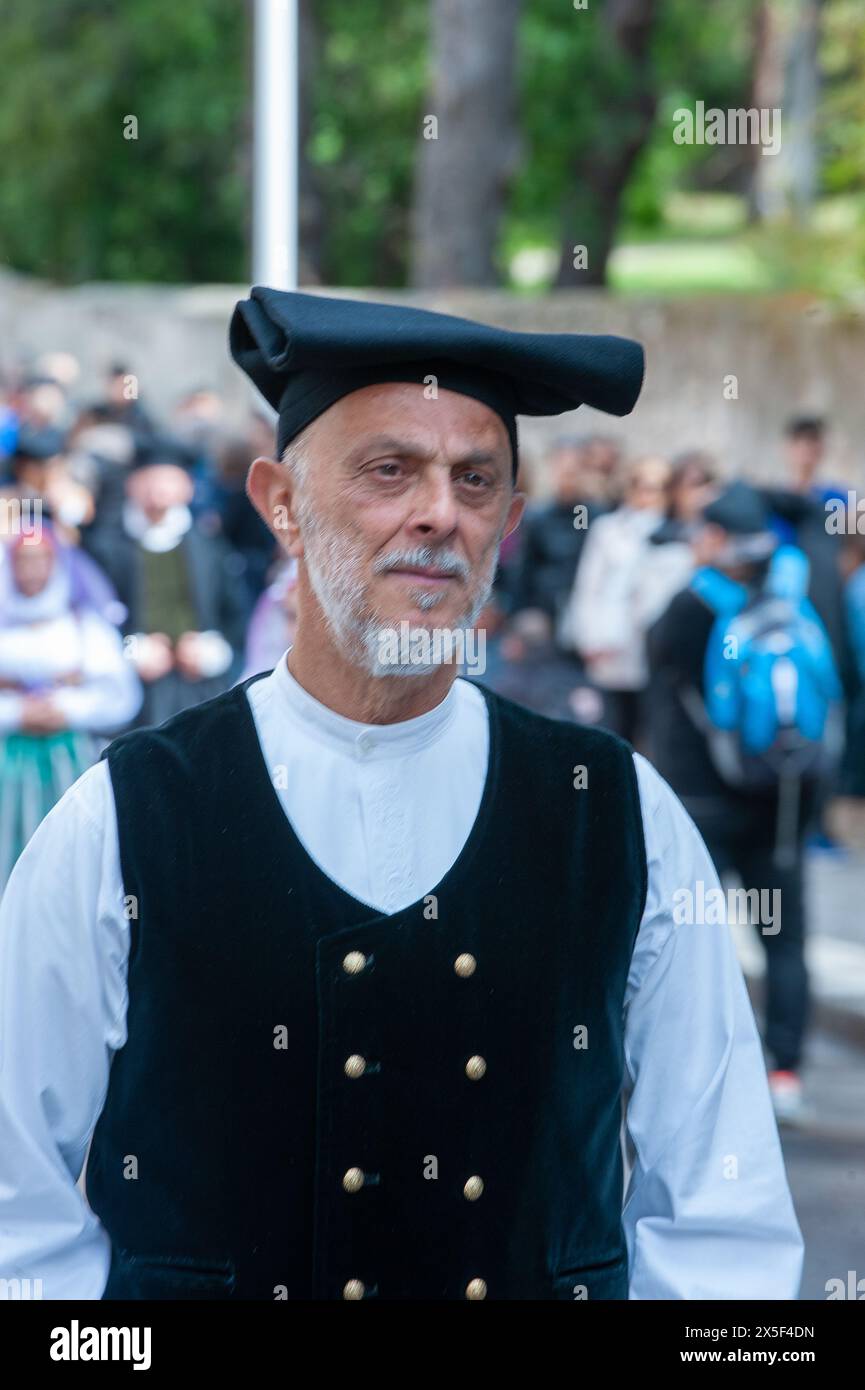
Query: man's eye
point(475, 480)
point(390, 468)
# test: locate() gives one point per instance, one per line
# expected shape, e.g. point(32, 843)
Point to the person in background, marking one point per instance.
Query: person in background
point(38, 474)
point(273, 623)
point(120, 404)
point(230, 514)
point(8, 420)
point(798, 517)
point(692, 486)
point(197, 420)
point(197, 427)
point(185, 607)
point(100, 456)
point(602, 470)
point(604, 619)
point(739, 826)
point(669, 557)
point(40, 402)
point(63, 681)
point(846, 815)
point(554, 534)
point(508, 572)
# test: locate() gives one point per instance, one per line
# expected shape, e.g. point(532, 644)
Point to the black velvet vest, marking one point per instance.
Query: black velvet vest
point(470, 1147)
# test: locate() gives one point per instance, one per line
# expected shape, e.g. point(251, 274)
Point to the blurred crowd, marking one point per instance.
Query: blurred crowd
point(719, 626)
point(136, 580)
point(594, 592)
point(135, 576)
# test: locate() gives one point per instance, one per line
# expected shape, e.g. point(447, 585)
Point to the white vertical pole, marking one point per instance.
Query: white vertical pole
point(275, 195)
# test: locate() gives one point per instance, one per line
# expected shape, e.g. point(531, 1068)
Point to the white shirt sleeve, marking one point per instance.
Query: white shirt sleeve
point(63, 952)
point(708, 1212)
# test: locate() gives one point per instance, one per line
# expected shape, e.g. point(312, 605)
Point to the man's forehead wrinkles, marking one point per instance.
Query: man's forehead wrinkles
point(395, 444)
point(424, 450)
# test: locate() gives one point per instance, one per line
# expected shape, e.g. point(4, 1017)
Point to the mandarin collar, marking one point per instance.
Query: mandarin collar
point(364, 741)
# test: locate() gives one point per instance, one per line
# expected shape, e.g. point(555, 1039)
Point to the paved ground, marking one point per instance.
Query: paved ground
point(835, 948)
point(826, 1156)
point(826, 1165)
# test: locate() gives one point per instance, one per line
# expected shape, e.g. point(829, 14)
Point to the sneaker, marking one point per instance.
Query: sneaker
point(786, 1091)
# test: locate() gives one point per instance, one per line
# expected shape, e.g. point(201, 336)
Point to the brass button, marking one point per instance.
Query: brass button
point(475, 1289)
point(475, 1068)
point(355, 1065)
point(354, 1290)
point(354, 962)
point(473, 1188)
point(465, 965)
point(352, 1181)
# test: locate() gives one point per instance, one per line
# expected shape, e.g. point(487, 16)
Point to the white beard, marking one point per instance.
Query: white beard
point(335, 574)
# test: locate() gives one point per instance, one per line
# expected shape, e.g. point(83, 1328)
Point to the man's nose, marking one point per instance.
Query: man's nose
point(434, 510)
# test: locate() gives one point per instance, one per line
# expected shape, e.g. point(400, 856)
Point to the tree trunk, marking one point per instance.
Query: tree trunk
point(468, 143)
point(787, 78)
point(625, 98)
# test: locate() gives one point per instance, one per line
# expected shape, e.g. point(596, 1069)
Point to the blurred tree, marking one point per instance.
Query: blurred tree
point(79, 198)
point(842, 116)
point(595, 152)
point(621, 89)
point(368, 95)
point(786, 78)
point(468, 148)
point(596, 91)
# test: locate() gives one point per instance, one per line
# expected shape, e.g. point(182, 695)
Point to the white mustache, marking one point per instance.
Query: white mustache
point(423, 557)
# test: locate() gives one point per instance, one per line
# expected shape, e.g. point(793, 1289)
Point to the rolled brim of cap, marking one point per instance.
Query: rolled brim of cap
point(306, 351)
point(308, 394)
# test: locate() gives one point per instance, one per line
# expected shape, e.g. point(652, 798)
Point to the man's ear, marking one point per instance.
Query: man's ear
point(515, 511)
point(270, 489)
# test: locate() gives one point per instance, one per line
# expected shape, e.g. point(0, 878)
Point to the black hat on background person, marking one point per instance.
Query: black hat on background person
point(38, 444)
point(164, 449)
point(739, 509)
point(741, 513)
point(35, 448)
point(118, 407)
point(304, 352)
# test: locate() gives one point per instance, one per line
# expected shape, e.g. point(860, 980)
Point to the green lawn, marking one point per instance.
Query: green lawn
point(706, 245)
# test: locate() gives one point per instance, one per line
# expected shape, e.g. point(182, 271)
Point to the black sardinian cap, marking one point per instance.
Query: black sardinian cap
point(306, 351)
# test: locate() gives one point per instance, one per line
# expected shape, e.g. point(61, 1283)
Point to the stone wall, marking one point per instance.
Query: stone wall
point(788, 354)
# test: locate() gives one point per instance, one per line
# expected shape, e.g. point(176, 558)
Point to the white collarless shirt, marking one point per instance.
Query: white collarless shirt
point(385, 810)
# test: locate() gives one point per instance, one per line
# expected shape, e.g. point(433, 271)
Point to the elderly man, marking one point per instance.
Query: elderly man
point(361, 973)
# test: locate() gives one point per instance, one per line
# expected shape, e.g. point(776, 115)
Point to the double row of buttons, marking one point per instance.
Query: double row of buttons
point(355, 1066)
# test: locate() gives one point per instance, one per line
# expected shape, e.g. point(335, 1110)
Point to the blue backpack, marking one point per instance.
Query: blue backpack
point(771, 693)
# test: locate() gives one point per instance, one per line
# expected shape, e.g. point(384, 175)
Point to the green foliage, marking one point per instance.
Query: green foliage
point(79, 201)
point(571, 114)
point(367, 110)
point(842, 125)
